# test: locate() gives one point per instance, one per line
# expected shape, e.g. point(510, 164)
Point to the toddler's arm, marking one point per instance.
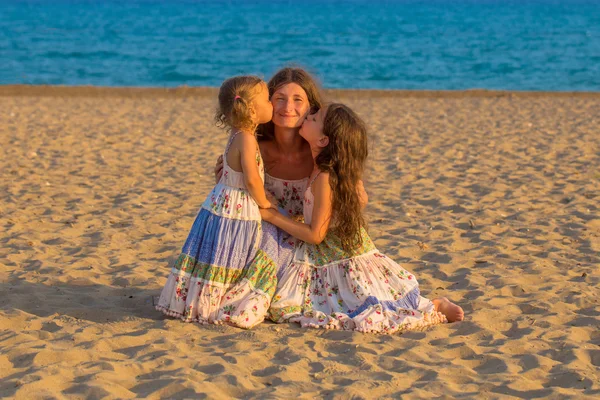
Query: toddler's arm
point(248, 149)
point(316, 231)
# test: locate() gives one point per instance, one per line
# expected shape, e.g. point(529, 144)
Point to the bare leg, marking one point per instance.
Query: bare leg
point(452, 311)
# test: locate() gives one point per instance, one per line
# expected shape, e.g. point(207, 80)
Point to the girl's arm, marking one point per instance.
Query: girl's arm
point(314, 232)
point(248, 148)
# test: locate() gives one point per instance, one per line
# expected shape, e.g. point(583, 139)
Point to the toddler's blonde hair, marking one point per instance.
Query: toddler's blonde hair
point(235, 102)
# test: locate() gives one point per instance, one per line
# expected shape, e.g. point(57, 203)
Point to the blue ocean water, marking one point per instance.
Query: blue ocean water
point(426, 44)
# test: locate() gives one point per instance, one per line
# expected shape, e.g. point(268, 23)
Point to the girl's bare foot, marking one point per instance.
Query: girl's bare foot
point(452, 312)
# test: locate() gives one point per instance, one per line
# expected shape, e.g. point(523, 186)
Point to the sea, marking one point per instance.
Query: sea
point(525, 45)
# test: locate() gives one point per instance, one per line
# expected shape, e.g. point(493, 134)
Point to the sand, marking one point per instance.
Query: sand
point(490, 198)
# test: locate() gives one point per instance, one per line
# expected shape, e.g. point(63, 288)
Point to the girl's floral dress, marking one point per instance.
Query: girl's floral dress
point(325, 286)
point(214, 279)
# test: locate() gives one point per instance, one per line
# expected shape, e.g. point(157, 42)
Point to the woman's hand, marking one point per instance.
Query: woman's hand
point(219, 169)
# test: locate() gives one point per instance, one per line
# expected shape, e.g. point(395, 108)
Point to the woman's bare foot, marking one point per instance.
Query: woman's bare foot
point(452, 312)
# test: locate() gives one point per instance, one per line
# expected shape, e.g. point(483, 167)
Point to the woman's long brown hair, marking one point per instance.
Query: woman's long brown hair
point(344, 158)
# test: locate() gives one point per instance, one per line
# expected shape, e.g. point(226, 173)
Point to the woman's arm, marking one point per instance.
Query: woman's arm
point(316, 231)
point(248, 148)
point(363, 197)
point(219, 169)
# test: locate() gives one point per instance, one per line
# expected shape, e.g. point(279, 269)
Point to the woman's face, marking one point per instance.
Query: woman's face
point(290, 106)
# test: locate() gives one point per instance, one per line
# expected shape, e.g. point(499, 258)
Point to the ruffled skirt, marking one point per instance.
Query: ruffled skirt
point(363, 290)
point(220, 275)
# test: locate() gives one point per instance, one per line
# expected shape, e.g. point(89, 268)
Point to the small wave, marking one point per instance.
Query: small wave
point(174, 76)
point(79, 55)
point(321, 53)
point(384, 78)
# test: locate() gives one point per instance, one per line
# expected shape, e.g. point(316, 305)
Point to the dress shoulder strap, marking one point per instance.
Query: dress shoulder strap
point(233, 135)
point(313, 179)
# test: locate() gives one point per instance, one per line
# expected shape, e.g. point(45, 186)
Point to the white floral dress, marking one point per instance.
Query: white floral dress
point(218, 276)
point(289, 194)
point(325, 286)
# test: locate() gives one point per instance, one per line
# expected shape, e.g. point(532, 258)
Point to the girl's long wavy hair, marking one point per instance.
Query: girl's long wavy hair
point(344, 158)
point(291, 75)
point(235, 102)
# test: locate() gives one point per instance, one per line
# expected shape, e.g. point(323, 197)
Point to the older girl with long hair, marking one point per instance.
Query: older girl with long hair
point(337, 278)
point(288, 163)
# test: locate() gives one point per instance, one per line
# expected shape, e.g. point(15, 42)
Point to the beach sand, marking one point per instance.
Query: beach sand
point(490, 198)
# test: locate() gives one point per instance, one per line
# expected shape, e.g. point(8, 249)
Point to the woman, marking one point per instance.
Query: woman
point(288, 163)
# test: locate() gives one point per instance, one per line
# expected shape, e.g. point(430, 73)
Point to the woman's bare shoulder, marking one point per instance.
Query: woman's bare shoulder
point(266, 149)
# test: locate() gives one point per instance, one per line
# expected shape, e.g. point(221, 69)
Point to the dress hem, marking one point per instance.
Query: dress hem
point(343, 322)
